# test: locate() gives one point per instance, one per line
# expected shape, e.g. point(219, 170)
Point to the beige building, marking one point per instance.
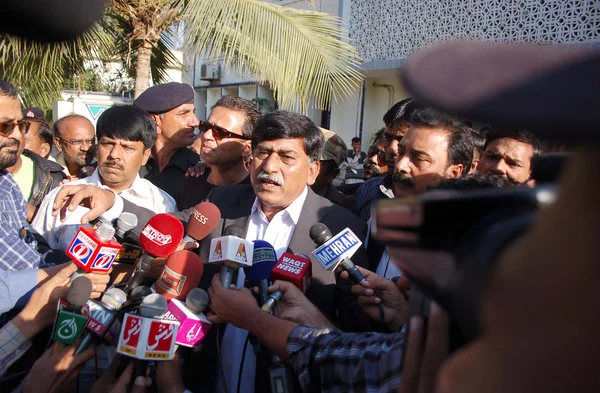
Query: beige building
point(385, 32)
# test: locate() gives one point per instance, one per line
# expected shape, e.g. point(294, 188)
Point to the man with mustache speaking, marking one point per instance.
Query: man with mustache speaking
point(125, 136)
point(436, 146)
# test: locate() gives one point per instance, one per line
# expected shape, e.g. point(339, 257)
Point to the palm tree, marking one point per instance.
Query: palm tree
point(299, 53)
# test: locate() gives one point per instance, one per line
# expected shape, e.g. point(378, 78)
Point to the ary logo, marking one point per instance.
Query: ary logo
point(80, 251)
point(103, 262)
point(67, 329)
point(240, 256)
point(218, 254)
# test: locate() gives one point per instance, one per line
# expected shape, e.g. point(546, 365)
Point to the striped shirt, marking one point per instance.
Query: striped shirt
point(330, 361)
point(17, 245)
point(13, 344)
point(370, 191)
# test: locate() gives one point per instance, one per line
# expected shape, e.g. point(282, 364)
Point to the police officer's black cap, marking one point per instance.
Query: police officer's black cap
point(162, 98)
point(552, 90)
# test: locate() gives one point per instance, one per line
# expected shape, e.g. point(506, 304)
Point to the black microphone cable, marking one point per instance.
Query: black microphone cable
point(239, 382)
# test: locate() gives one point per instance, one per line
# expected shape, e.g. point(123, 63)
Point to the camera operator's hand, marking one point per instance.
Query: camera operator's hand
point(168, 376)
point(377, 290)
point(57, 372)
point(107, 383)
point(229, 305)
point(40, 311)
point(425, 352)
point(97, 199)
point(295, 307)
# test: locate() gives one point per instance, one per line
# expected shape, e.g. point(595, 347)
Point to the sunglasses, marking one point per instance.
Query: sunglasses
point(380, 155)
point(218, 132)
point(7, 128)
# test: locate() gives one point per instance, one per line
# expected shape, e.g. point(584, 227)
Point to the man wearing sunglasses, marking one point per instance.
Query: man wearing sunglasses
point(21, 266)
point(75, 139)
point(171, 105)
point(375, 164)
point(225, 145)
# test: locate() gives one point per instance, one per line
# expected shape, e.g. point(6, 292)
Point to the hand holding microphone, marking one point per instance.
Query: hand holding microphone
point(230, 305)
point(70, 319)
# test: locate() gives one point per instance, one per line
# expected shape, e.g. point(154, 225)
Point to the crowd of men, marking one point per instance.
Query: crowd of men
point(270, 174)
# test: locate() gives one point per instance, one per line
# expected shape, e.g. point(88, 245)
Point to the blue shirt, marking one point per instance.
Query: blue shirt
point(17, 245)
point(330, 361)
point(370, 191)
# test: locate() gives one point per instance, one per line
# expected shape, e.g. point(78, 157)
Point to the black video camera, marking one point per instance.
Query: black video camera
point(447, 243)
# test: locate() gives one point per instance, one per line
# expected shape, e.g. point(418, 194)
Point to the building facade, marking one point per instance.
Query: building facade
point(386, 32)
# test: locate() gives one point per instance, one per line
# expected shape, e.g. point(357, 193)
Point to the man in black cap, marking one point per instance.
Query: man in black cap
point(171, 105)
point(39, 136)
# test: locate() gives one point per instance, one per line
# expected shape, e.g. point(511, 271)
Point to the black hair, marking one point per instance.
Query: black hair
point(519, 135)
point(378, 135)
point(248, 108)
point(8, 90)
point(127, 122)
point(58, 123)
point(478, 143)
point(400, 112)
point(356, 140)
point(474, 181)
point(45, 132)
point(288, 125)
point(460, 140)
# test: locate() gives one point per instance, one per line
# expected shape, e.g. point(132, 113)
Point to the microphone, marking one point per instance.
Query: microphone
point(72, 315)
point(160, 238)
point(193, 323)
point(147, 337)
point(292, 268)
point(94, 249)
point(182, 272)
point(259, 274)
point(336, 250)
point(232, 251)
point(203, 220)
point(102, 315)
point(130, 252)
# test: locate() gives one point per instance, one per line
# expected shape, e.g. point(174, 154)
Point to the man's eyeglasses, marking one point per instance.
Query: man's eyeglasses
point(380, 155)
point(79, 142)
point(7, 128)
point(218, 132)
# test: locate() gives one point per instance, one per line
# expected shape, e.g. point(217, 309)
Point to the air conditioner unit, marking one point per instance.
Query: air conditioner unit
point(210, 72)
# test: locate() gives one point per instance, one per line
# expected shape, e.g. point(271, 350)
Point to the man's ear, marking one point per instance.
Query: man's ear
point(313, 171)
point(454, 171)
point(147, 153)
point(58, 144)
point(158, 122)
point(45, 149)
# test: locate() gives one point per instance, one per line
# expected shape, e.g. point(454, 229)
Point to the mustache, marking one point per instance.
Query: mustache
point(403, 179)
point(113, 163)
point(9, 143)
point(273, 178)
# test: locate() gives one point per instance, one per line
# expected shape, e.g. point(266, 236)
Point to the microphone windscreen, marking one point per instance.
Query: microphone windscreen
point(104, 231)
point(125, 222)
point(233, 230)
point(161, 235)
point(182, 272)
point(319, 233)
point(263, 260)
point(153, 306)
point(79, 292)
point(203, 220)
point(114, 298)
point(197, 300)
point(138, 294)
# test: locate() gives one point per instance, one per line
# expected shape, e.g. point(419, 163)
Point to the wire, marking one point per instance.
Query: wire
point(222, 372)
point(381, 318)
point(239, 381)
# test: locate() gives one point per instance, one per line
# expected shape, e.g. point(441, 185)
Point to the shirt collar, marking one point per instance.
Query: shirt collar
point(139, 187)
point(386, 186)
point(293, 210)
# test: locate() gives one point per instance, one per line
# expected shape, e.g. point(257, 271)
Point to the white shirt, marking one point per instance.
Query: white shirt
point(278, 232)
point(60, 233)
